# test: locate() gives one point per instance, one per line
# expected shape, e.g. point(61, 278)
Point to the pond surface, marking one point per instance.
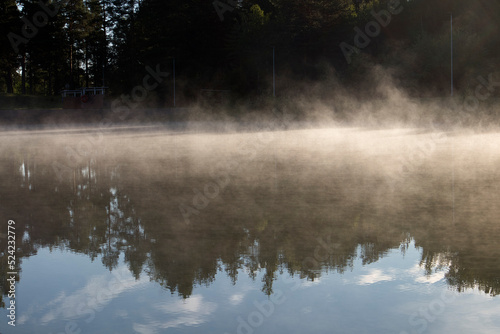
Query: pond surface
point(325, 230)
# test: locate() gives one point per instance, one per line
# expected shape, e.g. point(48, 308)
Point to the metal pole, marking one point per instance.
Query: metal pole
point(105, 46)
point(451, 54)
point(174, 81)
point(274, 77)
point(452, 142)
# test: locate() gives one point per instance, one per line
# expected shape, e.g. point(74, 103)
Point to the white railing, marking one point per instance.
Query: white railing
point(83, 91)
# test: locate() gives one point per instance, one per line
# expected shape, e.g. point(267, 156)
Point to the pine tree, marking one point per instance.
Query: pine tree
point(9, 25)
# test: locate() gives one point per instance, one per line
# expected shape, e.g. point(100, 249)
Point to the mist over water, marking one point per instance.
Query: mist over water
point(185, 206)
point(250, 167)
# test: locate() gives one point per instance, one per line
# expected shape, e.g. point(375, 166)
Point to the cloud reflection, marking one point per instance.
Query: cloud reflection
point(97, 293)
point(375, 276)
point(189, 312)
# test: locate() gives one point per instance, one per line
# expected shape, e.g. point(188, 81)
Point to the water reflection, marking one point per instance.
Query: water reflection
point(181, 208)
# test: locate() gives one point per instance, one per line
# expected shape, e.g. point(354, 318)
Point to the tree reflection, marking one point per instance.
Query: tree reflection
point(107, 208)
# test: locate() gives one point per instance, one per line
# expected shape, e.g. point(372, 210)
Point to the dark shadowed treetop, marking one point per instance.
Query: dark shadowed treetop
point(228, 45)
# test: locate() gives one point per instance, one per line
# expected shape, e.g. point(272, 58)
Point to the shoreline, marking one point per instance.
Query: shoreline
point(78, 117)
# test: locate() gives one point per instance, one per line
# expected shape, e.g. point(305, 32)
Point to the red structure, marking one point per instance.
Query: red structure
point(84, 98)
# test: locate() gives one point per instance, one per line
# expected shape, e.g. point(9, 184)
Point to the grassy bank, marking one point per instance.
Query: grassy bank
point(15, 101)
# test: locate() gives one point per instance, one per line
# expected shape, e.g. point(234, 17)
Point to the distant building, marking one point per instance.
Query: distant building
point(83, 98)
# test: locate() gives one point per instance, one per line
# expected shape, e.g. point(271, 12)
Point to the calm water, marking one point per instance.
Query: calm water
point(335, 230)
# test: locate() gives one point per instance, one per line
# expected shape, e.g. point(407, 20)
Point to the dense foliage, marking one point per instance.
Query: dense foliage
point(228, 45)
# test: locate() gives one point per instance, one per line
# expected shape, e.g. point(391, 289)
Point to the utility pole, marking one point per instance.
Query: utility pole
point(174, 79)
point(105, 49)
point(451, 22)
point(274, 77)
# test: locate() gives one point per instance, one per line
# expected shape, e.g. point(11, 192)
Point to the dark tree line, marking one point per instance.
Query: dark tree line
point(47, 46)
